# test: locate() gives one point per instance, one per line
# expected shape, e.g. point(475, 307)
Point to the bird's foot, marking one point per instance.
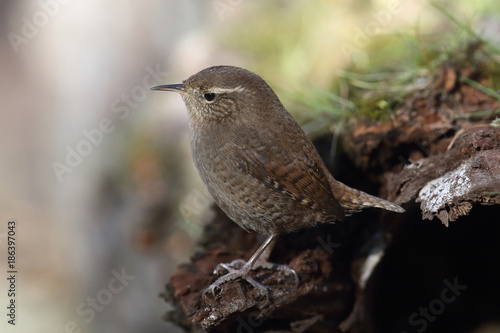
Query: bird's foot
point(287, 270)
point(240, 269)
point(235, 270)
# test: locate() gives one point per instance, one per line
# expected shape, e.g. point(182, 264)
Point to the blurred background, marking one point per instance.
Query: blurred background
point(96, 169)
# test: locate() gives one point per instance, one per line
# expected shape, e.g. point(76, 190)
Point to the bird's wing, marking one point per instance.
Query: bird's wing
point(298, 177)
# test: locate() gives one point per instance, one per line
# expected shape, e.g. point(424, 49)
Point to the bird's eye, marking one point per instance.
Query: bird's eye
point(209, 97)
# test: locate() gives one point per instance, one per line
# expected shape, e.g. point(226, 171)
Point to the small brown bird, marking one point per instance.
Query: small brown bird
point(258, 164)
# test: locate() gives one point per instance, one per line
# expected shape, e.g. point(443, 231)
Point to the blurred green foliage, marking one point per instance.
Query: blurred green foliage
point(300, 48)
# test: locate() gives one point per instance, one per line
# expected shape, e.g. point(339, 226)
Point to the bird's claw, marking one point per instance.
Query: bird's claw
point(230, 267)
point(235, 270)
point(211, 289)
point(290, 271)
point(239, 269)
point(282, 268)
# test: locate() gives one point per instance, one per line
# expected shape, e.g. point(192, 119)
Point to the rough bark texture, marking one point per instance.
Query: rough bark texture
point(375, 272)
point(325, 286)
point(449, 184)
point(451, 158)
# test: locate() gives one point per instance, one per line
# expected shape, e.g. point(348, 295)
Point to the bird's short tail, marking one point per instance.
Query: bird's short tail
point(353, 200)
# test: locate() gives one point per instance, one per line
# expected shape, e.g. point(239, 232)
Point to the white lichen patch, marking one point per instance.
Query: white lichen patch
point(371, 262)
point(441, 191)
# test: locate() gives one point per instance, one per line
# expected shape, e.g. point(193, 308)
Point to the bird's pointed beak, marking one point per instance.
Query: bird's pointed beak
point(178, 87)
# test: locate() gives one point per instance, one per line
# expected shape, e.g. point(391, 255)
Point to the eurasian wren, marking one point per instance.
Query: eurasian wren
point(258, 164)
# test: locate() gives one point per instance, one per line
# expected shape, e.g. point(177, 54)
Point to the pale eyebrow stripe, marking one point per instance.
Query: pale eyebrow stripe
point(227, 90)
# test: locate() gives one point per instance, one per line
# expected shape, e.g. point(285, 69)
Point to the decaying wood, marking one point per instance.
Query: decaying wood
point(438, 152)
point(449, 184)
point(325, 286)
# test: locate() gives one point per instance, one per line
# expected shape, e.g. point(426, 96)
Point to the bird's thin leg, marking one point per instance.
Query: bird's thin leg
point(264, 251)
point(262, 261)
point(258, 258)
point(235, 273)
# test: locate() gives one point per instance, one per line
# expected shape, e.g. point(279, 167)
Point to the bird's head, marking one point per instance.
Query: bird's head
point(223, 93)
